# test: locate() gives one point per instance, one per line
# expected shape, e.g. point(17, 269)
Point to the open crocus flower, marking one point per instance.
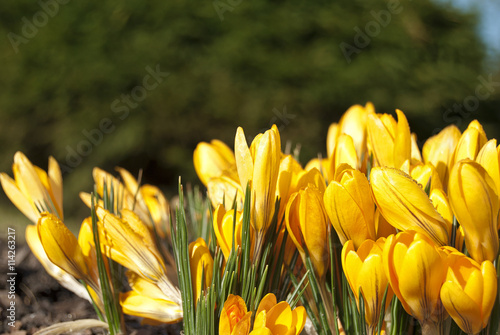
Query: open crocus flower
point(278, 318)
point(474, 200)
point(469, 292)
point(201, 263)
point(259, 167)
point(307, 225)
point(128, 241)
point(470, 143)
point(150, 205)
point(350, 207)
point(364, 270)
point(63, 277)
point(234, 318)
point(388, 140)
point(405, 205)
point(213, 160)
point(416, 269)
point(148, 301)
point(33, 190)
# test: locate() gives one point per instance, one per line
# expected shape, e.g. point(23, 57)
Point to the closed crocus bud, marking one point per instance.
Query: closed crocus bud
point(307, 225)
point(201, 263)
point(469, 292)
point(416, 269)
point(214, 159)
point(389, 141)
point(470, 143)
point(364, 270)
point(438, 150)
point(350, 207)
point(331, 139)
point(353, 123)
point(234, 318)
point(278, 318)
point(405, 205)
point(489, 158)
point(223, 228)
point(345, 153)
point(259, 166)
point(474, 200)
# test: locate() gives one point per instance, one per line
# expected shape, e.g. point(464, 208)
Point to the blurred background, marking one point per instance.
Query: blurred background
point(138, 84)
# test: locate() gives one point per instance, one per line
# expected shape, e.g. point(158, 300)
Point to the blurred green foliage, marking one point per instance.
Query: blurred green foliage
point(262, 59)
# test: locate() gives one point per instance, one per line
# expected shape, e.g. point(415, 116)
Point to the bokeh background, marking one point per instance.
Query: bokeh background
point(76, 77)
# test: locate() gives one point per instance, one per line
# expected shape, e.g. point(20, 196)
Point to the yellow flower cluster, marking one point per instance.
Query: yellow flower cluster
point(421, 226)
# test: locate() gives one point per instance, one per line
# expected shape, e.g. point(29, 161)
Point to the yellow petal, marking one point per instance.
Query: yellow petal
point(345, 152)
point(381, 134)
point(212, 160)
point(405, 205)
point(279, 318)
point(62, 246)
point(56, 185)
point(402, 141)
point(156, 309)
point(18, 198)
point(266, 303)
point(243, 158)
point(201, 263)
point(331, 139)
point(224, 190)
point(470, 143)
point(489, 158)
point(474, 200)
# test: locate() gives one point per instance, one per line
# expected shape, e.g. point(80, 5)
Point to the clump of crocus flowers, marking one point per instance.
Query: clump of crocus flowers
point(377, 236)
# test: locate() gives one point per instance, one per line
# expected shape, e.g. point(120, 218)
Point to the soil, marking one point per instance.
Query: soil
point(40, 301)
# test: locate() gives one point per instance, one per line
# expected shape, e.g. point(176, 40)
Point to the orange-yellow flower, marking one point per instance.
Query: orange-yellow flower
point(278, 318)
point(469, 292)
point(213, 160)
point(416, 269)
point(234, 318)
point(364, 270)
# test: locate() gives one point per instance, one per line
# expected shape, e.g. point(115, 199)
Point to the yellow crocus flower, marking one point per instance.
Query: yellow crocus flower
point(438, 149)
point(331, 139)
point(201, 263)
point(364, 270)
point(259, 166)
point(128, 241)
point(474, 200)
point(234, 318)
point(223, 228)
point(276, 318)
point(388, 140)
point(354, 123)
point(33, 190)
point(470, 143)
point(489, 158)
point(345, 153)
point(307, 225)
point(416, 269)
point(469, 292)
point(350, 207)
point(224, 190)
point(405, 205)
point(213, 160)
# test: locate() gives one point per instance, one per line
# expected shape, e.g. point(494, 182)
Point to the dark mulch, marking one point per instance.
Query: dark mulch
point(40, 301)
